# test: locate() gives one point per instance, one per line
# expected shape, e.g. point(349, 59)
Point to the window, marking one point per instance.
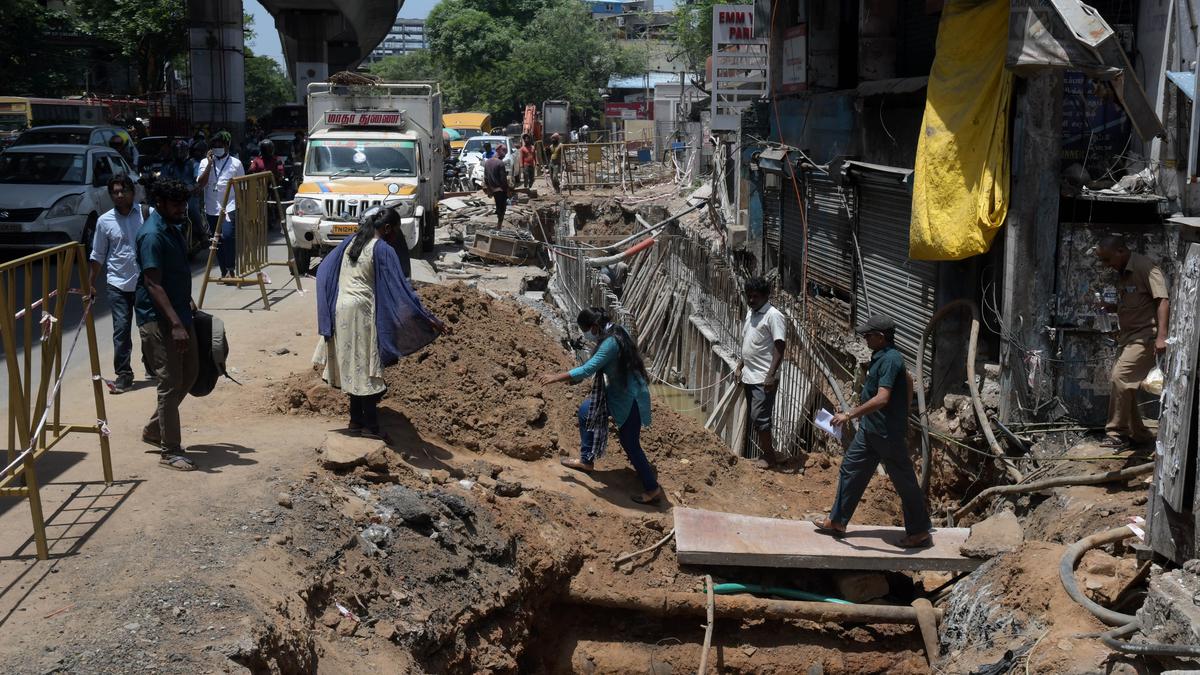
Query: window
point(350, 157)
point(42, 168)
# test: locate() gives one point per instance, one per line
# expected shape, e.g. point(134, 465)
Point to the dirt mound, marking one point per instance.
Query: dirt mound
point(1017, 602)
point(603, 217)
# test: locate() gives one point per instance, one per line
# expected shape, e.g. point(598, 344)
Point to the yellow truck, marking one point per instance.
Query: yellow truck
point(467, 124)
point(368, 145)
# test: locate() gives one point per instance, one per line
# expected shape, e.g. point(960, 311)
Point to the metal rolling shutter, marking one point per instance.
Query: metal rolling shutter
point(904, 289)
point(831, 253)
point(772, 227)
point(791, 237)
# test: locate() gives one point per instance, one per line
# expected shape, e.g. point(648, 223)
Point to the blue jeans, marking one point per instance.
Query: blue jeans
point(865, 453)
point(631, 442)
point(226, 251)
point(121, 305)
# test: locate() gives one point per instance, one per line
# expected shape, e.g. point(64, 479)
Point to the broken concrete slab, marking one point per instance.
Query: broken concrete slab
point(340, 451)
point(997, 534)
point(1170, 614)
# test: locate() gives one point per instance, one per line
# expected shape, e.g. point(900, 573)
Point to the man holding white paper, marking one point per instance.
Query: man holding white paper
point(763, 336)
point(881, 437)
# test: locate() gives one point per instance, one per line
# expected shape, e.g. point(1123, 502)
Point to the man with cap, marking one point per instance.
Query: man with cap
point(881, 437)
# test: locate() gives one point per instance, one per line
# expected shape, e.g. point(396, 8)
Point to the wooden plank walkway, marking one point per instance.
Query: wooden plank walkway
point(714, 538)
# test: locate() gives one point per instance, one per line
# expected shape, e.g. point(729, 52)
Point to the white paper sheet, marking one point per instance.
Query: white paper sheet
point(824, 422)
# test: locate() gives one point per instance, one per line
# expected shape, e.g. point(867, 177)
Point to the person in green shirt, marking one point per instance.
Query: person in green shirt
point(881, 438)
point(620, 389)
point(163, 307)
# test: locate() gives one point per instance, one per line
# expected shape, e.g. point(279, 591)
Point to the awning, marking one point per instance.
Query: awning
point(1062, 34)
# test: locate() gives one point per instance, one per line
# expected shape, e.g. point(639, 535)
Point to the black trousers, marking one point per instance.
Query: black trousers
point(364, 411)
point(501, 204)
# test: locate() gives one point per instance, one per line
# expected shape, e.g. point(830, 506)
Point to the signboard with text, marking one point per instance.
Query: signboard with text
point(627, 110)
point(739, 65)
point(793, 66)
point(364, 118)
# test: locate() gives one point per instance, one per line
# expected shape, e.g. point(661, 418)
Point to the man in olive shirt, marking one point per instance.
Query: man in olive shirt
point(163, 306)
point(1142, 310)
point(881, 437)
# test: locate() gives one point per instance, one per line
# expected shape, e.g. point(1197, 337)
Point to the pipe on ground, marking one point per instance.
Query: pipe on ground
point(980, 413)
point(1066, 573)
point(1061, 481)
point(674, 604)
point(1145, 648)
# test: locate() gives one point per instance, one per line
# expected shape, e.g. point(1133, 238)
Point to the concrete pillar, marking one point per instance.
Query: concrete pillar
point(217, 64)
point(1031, 241)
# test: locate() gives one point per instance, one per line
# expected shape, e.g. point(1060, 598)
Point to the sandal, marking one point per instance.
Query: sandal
point(919, 540)
point(177, 462)
point(577, 465)
point(1114, 443)
point(654, 498)
point(830, 528)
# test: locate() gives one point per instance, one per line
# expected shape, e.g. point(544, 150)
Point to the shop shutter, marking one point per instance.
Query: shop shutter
point(831, 251)
point(772, 227)
point(791, 237)
point(896, 285)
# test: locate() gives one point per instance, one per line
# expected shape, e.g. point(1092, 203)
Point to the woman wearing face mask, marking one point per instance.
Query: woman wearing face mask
point(216, 170)
point(619, 390)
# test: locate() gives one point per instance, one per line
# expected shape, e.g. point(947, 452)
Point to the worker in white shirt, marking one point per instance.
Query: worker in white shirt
point(216, 170)
point(763, 338)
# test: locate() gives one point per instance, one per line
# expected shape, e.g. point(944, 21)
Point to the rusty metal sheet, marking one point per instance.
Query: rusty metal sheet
point(715, 538)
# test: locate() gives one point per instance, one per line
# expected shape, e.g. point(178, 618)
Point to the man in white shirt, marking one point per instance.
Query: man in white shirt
point(764, 336)
point(113, 248)
point(216, 170)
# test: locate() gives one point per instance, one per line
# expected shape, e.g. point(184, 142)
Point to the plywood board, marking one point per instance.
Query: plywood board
point(714, 538)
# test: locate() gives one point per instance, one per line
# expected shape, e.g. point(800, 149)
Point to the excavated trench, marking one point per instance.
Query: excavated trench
point(437, 559)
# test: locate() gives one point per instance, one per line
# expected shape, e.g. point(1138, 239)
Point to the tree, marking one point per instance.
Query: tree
point(497, 55)
point(266, 85)
point(32, 62)
point(148, 32)
point(415, 65)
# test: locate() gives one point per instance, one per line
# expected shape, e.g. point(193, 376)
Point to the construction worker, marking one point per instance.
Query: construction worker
point(1143, 310)
point(528, 160)
point(495, 181)
point(556, 161)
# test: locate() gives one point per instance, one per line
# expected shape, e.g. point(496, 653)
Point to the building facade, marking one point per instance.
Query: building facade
point(406, 35)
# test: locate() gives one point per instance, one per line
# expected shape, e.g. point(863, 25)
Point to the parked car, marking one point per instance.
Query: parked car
point(52, 194)
point(77, 134)
point(472, 156)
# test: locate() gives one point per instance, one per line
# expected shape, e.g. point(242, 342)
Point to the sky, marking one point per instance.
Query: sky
point(267, 42)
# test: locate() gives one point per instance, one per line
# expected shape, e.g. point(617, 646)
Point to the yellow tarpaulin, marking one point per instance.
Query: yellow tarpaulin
point(960, 184)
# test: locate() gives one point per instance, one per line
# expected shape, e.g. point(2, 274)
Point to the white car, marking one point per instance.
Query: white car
point(52, 194)
point(472, 156)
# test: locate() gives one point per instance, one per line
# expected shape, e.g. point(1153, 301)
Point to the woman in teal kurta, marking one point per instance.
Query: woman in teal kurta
point(620, 390)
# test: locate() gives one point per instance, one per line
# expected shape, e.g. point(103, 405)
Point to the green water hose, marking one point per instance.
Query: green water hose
point(755, 589)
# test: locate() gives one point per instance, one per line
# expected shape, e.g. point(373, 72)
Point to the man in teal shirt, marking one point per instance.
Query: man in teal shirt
point(163, 306)
point(881, 437)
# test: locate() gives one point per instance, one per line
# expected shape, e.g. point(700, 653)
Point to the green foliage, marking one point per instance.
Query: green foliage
point(266, 85)
point(30, 62)
point(149, 32)
point(498, 55)
point(692, 31)
point(417, 65)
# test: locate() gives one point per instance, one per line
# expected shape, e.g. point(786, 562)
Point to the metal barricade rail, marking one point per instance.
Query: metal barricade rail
point(33, 321)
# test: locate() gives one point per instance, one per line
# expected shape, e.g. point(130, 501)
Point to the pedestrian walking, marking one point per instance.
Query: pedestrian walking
point(216, 170)
point(368, 317)
point(556, 161)
point(1143, 311)
point(495, 181)
point(528, 160)
point(619, 390)
point(113, 253)
point(881, 437)
point(764, 335)
point(164, 309)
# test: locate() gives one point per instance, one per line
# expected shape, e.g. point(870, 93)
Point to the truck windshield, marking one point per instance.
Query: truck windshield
point(327, 157)
point(11, 122)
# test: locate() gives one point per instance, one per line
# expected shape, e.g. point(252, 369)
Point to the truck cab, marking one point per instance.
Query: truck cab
point(368, 146)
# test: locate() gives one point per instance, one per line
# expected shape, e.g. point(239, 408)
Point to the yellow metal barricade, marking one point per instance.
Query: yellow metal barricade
point(252, 195)
point(35, 294)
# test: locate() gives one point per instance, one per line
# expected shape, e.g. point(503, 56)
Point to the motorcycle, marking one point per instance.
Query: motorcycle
point(456, 178)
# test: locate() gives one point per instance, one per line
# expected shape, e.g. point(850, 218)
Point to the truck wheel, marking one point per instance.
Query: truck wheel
point(303, 260)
